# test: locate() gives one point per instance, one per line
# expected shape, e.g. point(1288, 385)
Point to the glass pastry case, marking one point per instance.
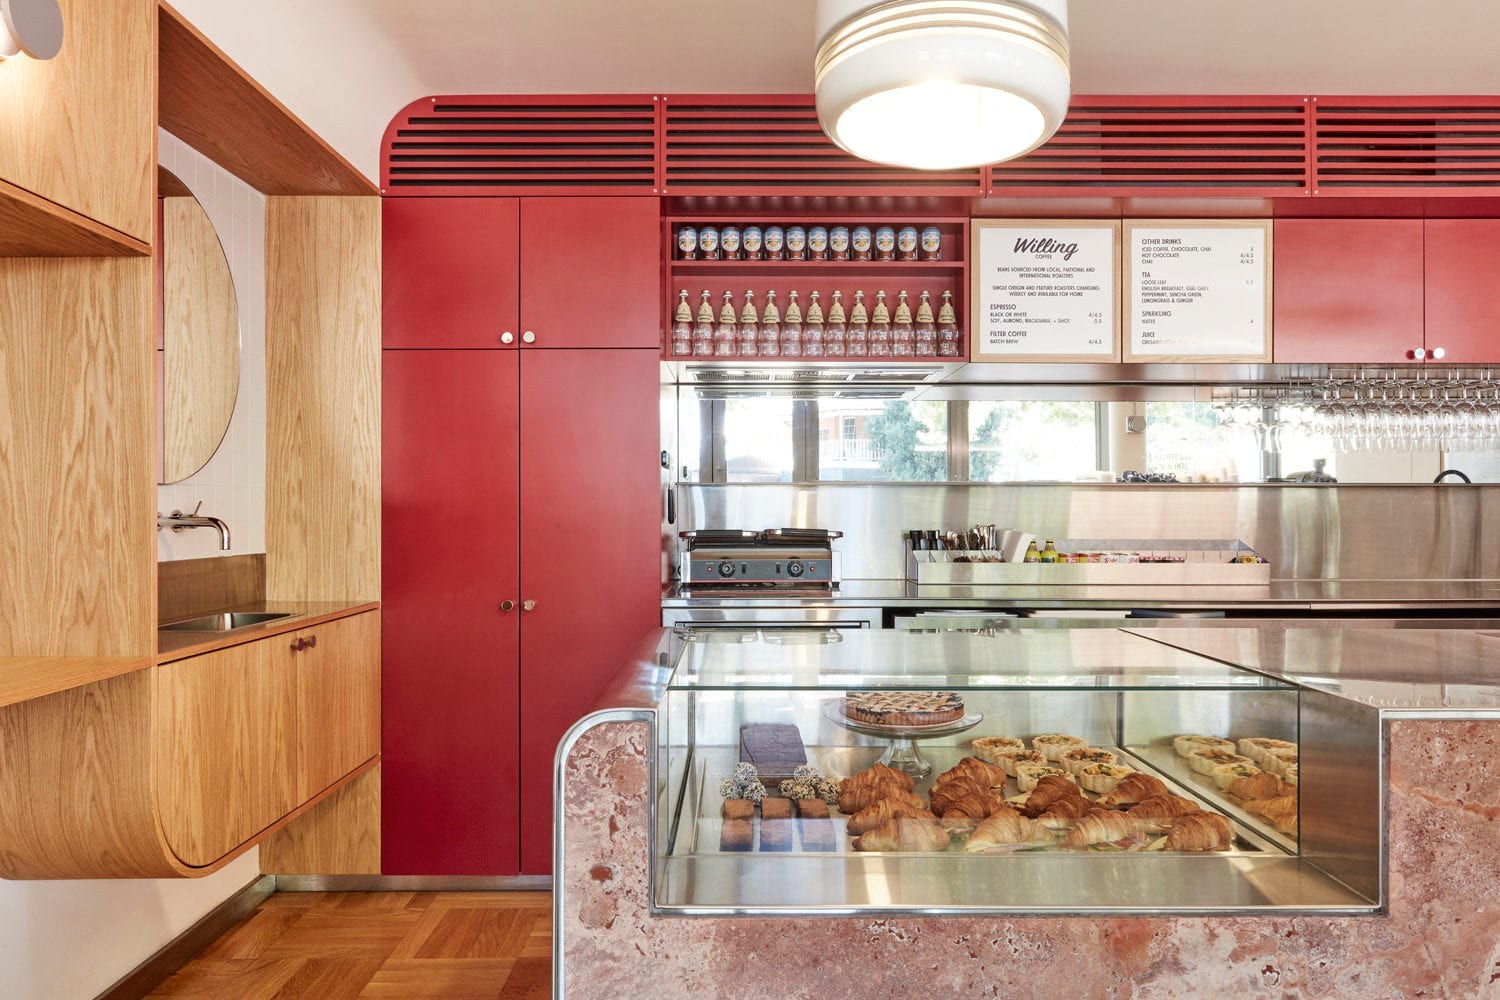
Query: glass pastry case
point(835, 771)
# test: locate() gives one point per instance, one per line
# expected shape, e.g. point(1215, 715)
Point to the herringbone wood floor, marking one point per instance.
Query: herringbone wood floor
point(342, 946)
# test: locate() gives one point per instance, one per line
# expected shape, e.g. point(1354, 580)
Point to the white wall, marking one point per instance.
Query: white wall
point(232, 485)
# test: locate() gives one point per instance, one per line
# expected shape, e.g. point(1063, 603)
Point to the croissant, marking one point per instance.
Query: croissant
point(1287, 824)
point(882, 811)
point(1200, 831)
point(1049, 790)
point(1257, 786)
point(1007, 828)
point(1163, 807)
point(904, 834)
point(1274, 808)
point(972, 805)
point(1134, 788)
point(878, 772)
point(1063, 813)
point(973, 767)
point(1101, 826)
point(860, 797)
point(943, 796)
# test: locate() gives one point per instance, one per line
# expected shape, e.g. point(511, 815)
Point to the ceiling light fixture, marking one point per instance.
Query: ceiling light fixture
point(942, 84)
point(34, 27)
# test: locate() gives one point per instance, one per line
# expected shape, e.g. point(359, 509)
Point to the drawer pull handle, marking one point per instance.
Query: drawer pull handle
point(299, 645)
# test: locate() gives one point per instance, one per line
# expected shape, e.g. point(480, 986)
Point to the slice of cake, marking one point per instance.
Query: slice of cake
point(775, 748)
point(904, 708)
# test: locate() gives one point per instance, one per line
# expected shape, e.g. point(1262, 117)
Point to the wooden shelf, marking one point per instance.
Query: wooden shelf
point(219, 109)
point(31, 226)
point(805, 267)
point(23, 678)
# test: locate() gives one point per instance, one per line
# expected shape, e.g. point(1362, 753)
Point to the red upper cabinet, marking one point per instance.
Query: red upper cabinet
point(590, 272)
point(1463, 275)
point(451, 272)
point(1347, 290)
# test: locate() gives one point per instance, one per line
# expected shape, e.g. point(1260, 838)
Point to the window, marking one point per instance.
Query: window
point(1186, 440)
point(883, 440)
point(1015, 441)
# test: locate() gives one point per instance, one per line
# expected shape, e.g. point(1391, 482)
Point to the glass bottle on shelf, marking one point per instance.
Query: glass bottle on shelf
point(749, 332)
point(903, 335)
point(812, 329)
point(752, 243)
point(682, 325)
point(729, 243)
point(727, 330)
point(1049, 552)
point(791, 328)
point(703, 328)
point(1032, 555)
point(857, 339)
point(947, 330)
point(770, 328)
point(835, 334)
point(880, 328)
point(926, 329)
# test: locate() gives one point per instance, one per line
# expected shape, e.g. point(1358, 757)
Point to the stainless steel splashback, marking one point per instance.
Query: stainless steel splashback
point(1307, 532)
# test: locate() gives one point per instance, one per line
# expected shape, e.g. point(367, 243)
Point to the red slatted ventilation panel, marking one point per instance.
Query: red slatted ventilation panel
point(522, 145)
point(1431, 145)
point(1168, 146)
point(773, 145)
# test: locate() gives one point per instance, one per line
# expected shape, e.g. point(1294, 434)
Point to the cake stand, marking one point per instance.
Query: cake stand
point(902, 752)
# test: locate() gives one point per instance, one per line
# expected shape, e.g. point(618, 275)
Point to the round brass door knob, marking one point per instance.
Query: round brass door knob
point(507, 605)
point(528, 605)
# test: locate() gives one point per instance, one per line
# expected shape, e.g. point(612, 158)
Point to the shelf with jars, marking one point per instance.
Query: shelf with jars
point(825, 287)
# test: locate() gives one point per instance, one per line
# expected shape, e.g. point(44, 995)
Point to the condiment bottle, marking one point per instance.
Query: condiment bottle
point(749, 330)
point(770, 328)
point(947, 328)
point(1032, 555)
point(1049, 552)
point(926, 329)
point(703, 328)
point(835, 334)
point(903, 336)
point(727, 330)
point(880, 328)
point(857, 339)
point(682, 325)
point(812, 329)
point(791, 329)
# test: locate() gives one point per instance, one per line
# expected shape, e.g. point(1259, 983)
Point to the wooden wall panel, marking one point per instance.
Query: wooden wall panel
point(79, 129)
point(323, 398)
point(338, 836)
point(77, 494)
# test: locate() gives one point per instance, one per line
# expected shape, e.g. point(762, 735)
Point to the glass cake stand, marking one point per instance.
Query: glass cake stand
point(902, 752)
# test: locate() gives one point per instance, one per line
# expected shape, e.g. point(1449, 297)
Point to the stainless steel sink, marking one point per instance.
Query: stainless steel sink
point(226, 621)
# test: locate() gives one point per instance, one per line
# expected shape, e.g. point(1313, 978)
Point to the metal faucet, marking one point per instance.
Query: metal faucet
point(1451, 472)
point(177, 521)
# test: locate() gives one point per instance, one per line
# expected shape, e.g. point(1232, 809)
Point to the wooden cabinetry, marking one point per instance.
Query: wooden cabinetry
point(338, 700)
point(1462, 268)
point(483, 272)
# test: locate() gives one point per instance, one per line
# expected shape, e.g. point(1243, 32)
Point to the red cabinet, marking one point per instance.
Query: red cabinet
point(1347, 290)
point(1463, 275)
point(528, 477)
point(528, 272)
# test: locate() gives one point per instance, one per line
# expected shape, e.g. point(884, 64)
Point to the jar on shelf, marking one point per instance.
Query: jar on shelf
point(932, 243)
point(817, 243)
point(752, 243)
point(861, 243)
point(775, 243)
point(796, 243)
point(729, 242)
point(885, 243)
point(708, 243)
point(908, 243)
point(687, 243)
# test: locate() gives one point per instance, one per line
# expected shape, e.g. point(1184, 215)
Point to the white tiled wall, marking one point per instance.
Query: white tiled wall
point(232, 485)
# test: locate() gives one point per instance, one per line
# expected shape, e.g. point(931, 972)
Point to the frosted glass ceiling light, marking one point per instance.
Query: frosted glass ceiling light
point(34, 27)
point(942, 84)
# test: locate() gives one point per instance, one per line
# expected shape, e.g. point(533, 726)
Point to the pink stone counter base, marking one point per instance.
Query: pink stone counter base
point(1439, 938)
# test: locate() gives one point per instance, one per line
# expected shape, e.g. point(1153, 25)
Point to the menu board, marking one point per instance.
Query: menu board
point(1198, 290)
point(1045, 290)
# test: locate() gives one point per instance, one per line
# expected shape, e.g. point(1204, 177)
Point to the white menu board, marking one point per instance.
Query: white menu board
point(1045, 290)
point(1198, 290)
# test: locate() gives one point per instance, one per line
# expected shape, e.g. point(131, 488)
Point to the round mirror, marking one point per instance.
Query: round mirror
point(198, 337)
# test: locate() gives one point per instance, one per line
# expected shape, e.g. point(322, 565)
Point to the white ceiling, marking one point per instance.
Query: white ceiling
point(347, 66)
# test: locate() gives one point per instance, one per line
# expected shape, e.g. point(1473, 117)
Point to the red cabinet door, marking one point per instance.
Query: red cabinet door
point(451, 795)
point(1463, 275)
point(590, 548)
point(451, 272)
point(591, 272)
point(1346, 290)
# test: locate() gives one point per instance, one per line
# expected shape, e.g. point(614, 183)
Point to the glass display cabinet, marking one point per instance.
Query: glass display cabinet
point(1120, 692)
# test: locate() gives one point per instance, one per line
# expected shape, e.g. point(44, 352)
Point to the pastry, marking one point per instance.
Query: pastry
point(1258, 786)
point(882, 812)
point(904, 708)
point(736, 835)
point(738, 809)
point(987, 747)
point(1027, 775)
point(1163, 807)
point(973, 767)
point(1052, 745)
point(1273, 808)
point(1075, 760)
point(775, 748)
point(1134, 787)
point(812, 808)
point(1289, 774)
point(1062, 814)
point(807, 782)
point(944, 795)
point(1277, 761)
point(1185, 745)
point(1205, 759)
point(743, 784)
point(1102, 777)
point(1007, 830)
point(1257, 746)
point(1011, 759)
point(973, 806)
point(776, 834)
point(1200, 831)
point(1050, 789)
point(775, 808)
point(875, 783)
point(1102, 826)
point(1225, 774)
point(1287, 824)
point(852, 802)
point(904, 835)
